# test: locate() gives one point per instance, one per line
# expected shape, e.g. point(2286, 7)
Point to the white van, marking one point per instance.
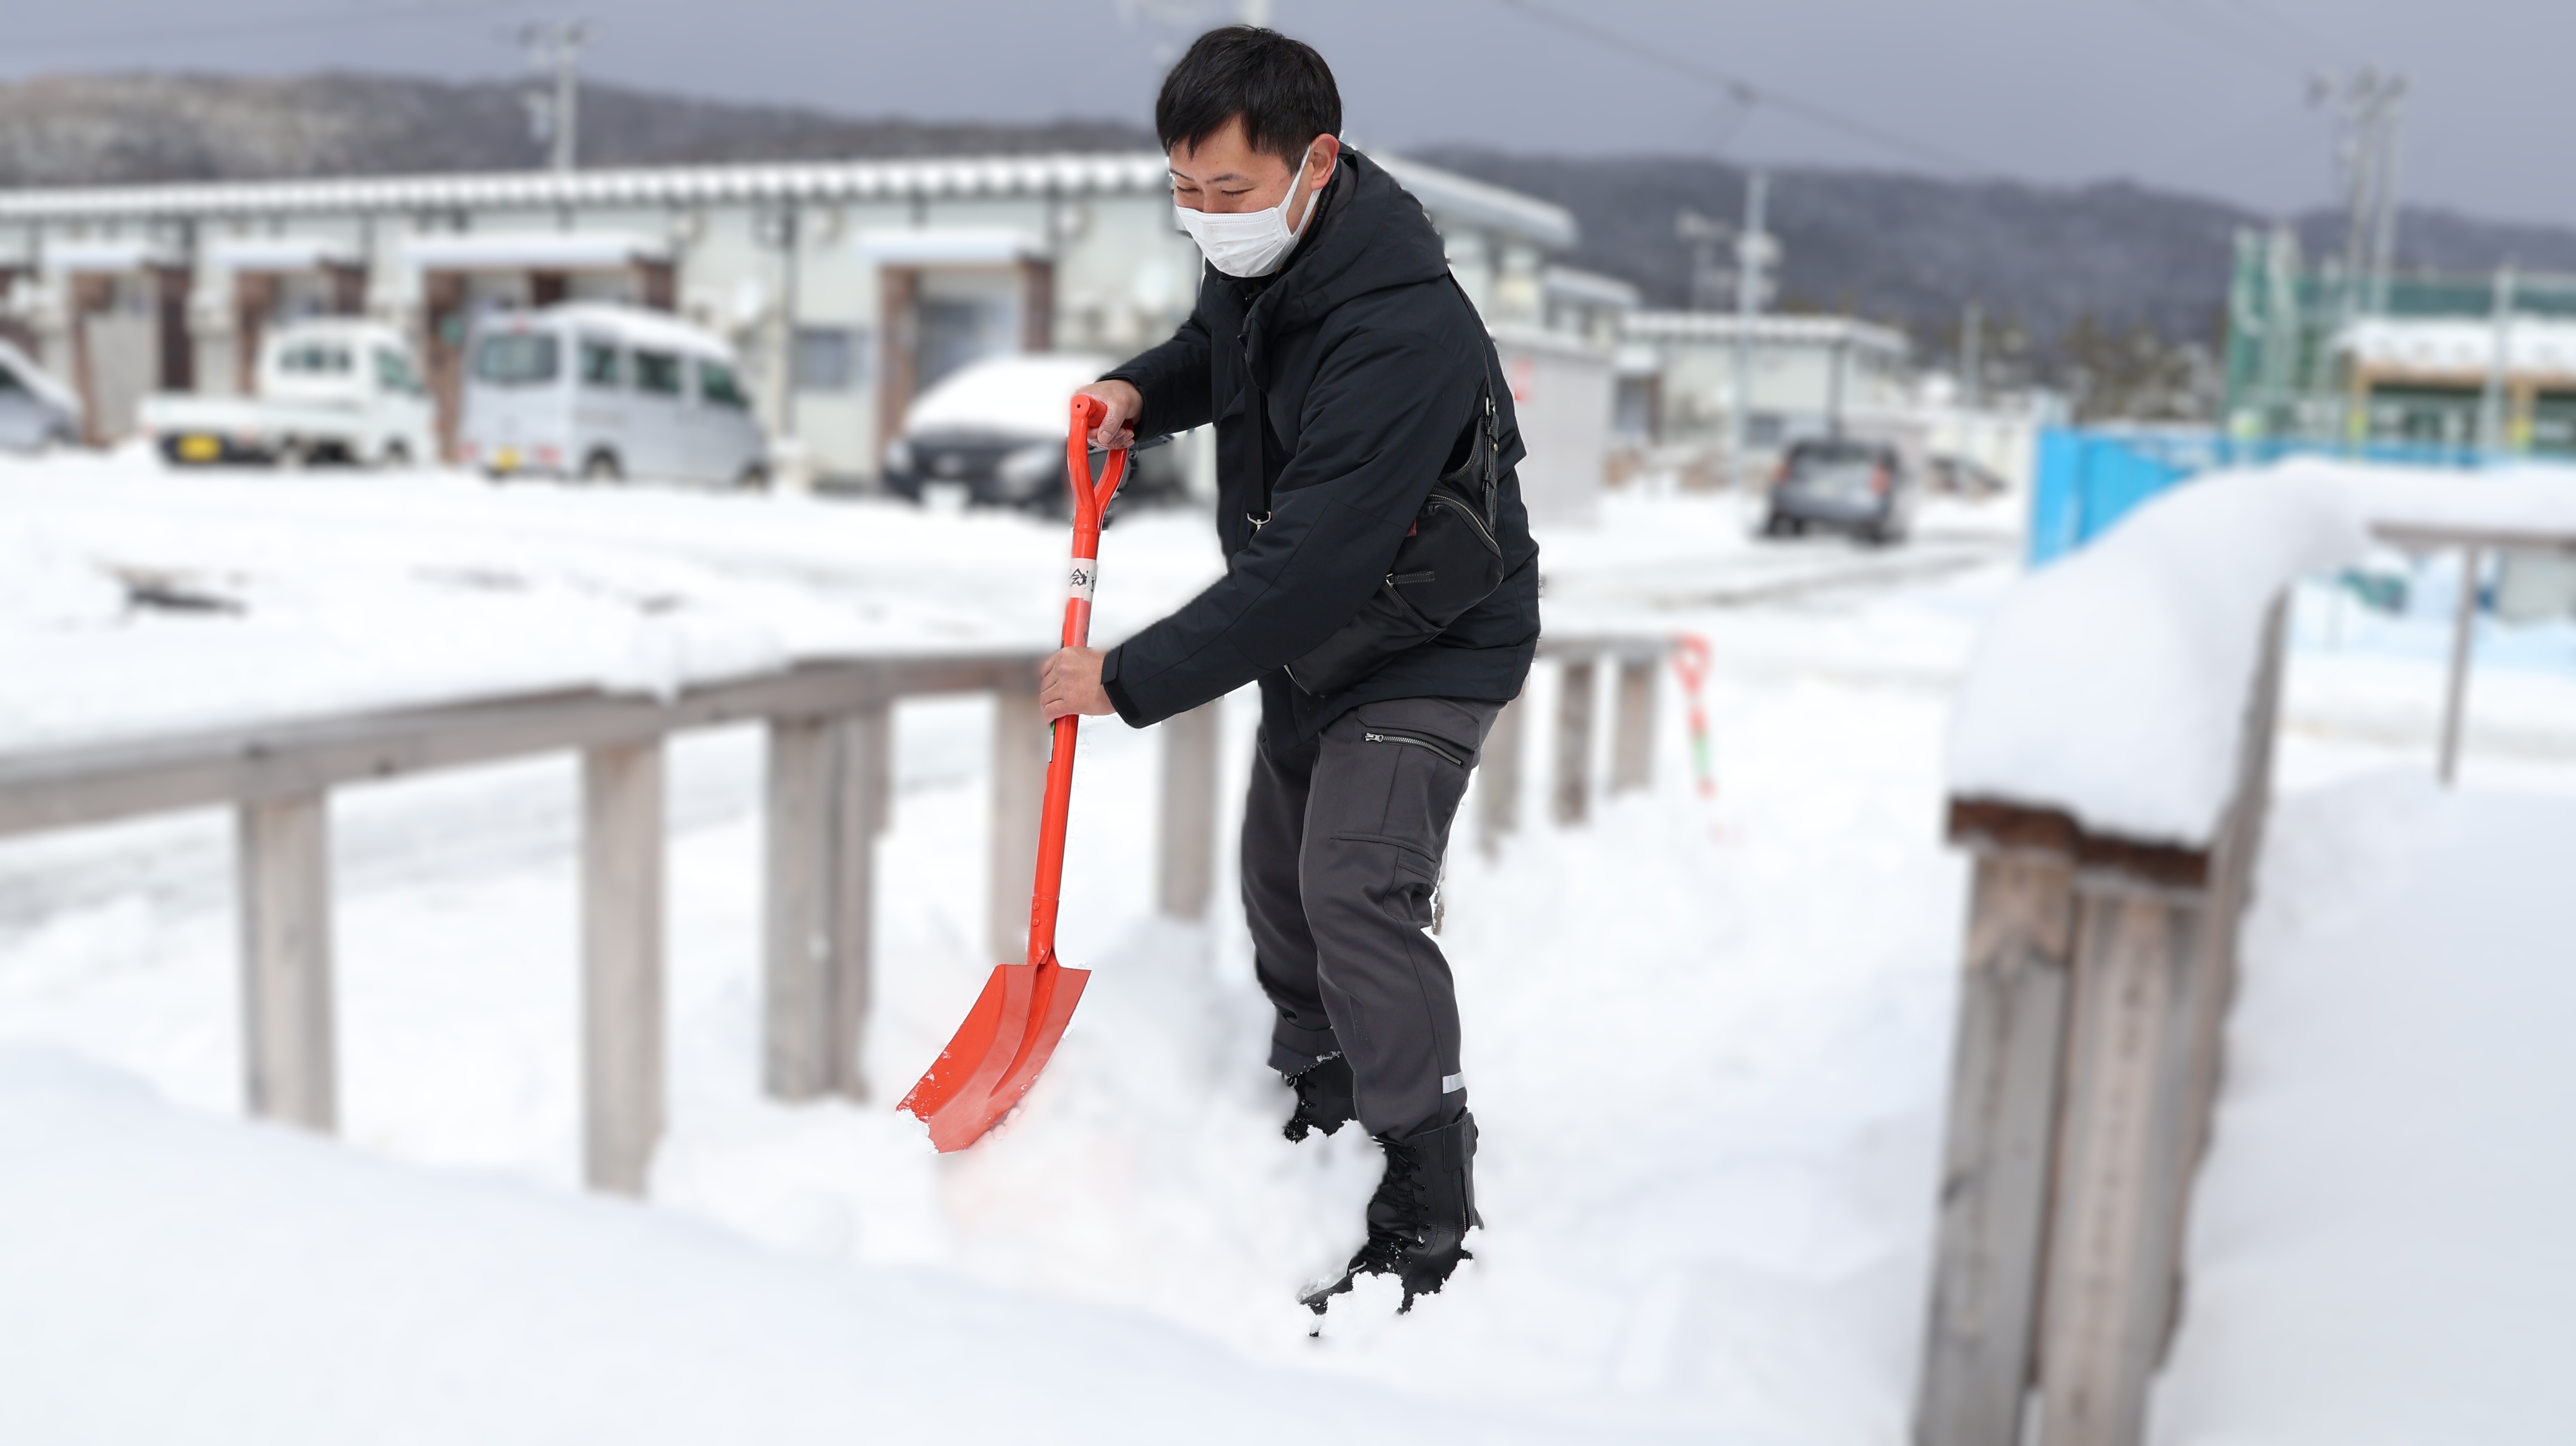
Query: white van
point(603, 392)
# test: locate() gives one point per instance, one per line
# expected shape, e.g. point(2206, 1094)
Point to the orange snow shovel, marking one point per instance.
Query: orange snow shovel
point(1013, 1028)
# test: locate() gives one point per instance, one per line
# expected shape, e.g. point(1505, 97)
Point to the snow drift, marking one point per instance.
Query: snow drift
point(253, 1284)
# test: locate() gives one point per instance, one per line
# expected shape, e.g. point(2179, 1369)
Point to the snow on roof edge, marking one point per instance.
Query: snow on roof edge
point(1067, 173)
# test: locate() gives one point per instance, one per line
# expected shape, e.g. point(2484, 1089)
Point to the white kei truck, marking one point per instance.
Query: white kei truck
point(328, 389)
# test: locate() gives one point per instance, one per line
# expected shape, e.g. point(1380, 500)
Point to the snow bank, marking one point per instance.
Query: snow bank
point(44, 586)
point(348, 590)
point(2113, 685)
point(250, 1283)
point(2379, 1250)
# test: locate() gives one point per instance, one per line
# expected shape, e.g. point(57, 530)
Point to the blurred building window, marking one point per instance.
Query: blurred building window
point(830, 358)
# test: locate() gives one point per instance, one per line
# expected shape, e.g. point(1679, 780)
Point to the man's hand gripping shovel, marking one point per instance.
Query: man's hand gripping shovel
point(1012, 1030)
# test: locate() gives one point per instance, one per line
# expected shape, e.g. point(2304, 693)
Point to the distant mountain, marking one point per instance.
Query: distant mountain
point(2112, 290)
point(89, 130)
point(1914, 250)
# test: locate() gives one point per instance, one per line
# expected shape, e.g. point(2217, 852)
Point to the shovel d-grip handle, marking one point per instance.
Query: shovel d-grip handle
point(1090, 502)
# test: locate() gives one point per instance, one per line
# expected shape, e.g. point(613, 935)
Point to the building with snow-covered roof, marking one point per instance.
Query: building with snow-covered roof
point(846, 287)
point(1810, 376)
point(2428, 379)
point(2406, 359)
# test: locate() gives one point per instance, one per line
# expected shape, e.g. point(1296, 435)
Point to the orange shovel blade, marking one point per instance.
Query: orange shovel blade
point(1007, 1038)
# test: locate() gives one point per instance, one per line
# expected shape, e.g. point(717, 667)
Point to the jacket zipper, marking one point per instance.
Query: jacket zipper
point(1469, 513)
point(1416, 740)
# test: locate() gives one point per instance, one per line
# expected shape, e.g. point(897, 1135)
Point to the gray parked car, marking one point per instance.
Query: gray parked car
point(36, 411)
point(1842, 485)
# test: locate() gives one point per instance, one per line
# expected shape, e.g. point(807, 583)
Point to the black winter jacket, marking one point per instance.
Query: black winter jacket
point(1368, 363)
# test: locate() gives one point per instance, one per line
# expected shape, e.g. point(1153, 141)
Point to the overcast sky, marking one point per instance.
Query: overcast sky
point(2200, 95)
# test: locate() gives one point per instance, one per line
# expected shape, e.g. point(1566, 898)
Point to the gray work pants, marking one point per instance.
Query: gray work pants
point(1342, 839)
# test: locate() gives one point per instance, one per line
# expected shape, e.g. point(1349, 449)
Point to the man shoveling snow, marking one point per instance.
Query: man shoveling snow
point(1381, 588)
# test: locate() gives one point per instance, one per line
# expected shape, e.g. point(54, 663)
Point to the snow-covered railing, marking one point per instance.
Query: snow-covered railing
point(829, 744)
point(827, 796)
point(2110, 769)
point(1636, 661)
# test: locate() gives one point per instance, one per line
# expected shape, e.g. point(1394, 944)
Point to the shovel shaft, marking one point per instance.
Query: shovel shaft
point(1090, 502)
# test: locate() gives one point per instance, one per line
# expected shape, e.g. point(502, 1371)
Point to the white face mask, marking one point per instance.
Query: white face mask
point(1247, 243)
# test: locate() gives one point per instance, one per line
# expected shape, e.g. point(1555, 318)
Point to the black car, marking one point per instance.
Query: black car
point(995, 431)
point(1863, 489)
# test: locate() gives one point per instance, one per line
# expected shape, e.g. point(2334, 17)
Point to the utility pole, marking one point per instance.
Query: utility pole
point(556, 118)
point(2491, 403)
point(2365, 153)
point(1972, 346)
point(2383, 242)
point(2367, 109)
point(1708, 279)
point(1754, 254)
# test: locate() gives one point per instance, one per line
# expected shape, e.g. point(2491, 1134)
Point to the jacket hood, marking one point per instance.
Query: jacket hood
point(1375, 235)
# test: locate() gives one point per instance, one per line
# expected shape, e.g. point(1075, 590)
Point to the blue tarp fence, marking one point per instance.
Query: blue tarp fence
point(2089, 479)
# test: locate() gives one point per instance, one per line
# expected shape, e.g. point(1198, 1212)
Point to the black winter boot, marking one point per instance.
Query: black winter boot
point(1419, 1217)
point(1323, 1097)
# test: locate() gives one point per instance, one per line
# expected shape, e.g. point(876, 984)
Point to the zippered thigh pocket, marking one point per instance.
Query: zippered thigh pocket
point(1417, 740)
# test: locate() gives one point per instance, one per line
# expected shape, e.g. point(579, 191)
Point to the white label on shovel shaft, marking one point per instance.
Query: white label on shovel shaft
point(1085, 575)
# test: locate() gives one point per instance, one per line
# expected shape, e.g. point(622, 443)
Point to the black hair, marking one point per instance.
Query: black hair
point(1281, 88)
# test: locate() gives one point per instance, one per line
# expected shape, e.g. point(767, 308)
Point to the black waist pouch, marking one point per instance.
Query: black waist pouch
point(1450, 561)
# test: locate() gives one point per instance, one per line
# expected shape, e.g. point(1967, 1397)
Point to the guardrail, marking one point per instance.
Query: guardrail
point(827, 797)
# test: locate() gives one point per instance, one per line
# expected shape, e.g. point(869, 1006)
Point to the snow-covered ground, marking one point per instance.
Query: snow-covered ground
point(1707, 1039)
point(2379, 1247)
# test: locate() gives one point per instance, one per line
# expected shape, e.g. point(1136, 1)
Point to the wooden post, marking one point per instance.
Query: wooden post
point(2231, 893)
point(1186, 873)
point(827, 787)
point(872, 735)
point(2123, 1158)
point(796, 1057)
point(2000, 1143)
point(1574, 740)
point(2455, 691)
point(284, 857)
point(2108, 1013)
point(1019, 787)
point(621, 976)
point(864, 784)
point(1498, 778)
point(1632, 737)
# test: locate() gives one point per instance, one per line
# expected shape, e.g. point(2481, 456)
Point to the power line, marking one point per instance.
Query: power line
point(337, 19)
point(2188, 21)
point(2296, 31)
point(1747, 93)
